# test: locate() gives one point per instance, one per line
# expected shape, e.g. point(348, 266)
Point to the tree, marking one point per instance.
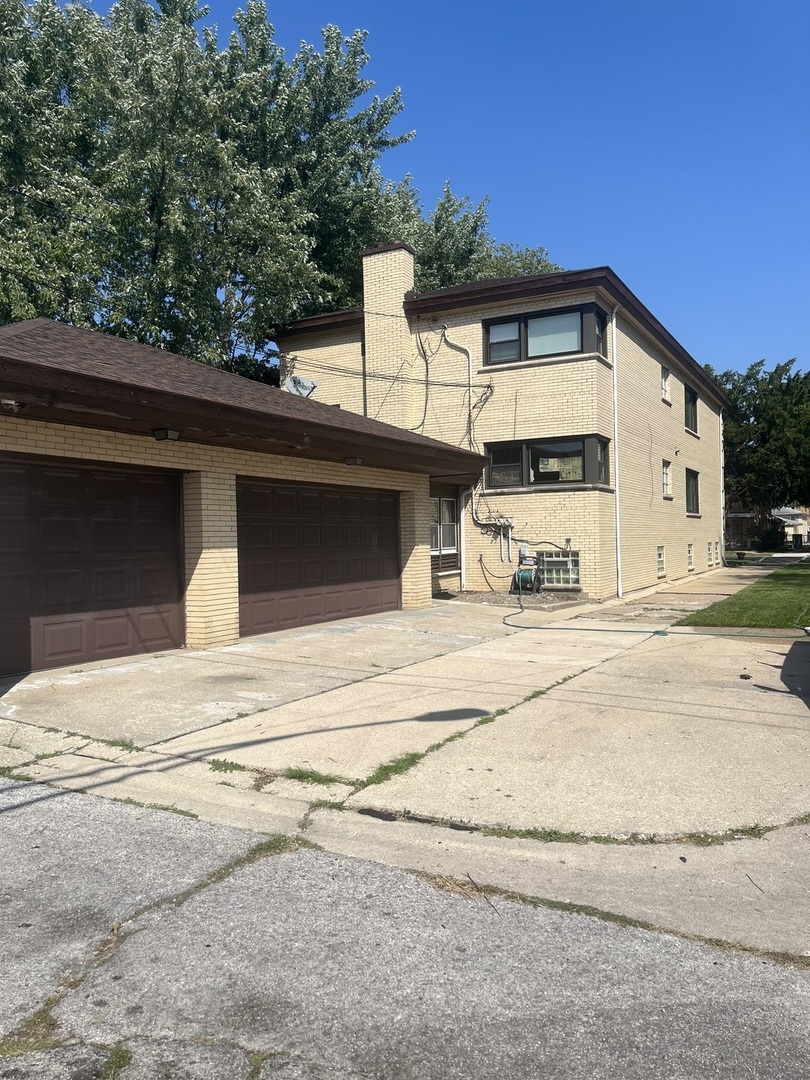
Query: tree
point(766, 437)
point(159, 187)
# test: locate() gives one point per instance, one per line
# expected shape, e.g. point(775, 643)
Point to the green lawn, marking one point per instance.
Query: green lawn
point(776, 601)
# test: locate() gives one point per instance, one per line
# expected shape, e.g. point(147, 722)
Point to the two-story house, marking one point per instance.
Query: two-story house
point(603, 435)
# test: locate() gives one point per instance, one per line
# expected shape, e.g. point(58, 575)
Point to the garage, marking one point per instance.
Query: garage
point(308, 554)
point(89, 563)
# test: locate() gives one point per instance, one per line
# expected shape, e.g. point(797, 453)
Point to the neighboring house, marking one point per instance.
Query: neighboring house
point(148, 501)
point(603, 435)
point(743, 526)
point(794, 519)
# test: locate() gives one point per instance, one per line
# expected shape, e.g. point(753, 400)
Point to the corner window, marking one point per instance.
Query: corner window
point(690, 411)
point(661, 562)
point(550, 333)
point(558, 569)
point(692, 492)
point(443, 526)
point(545, 462)
point(666, 479)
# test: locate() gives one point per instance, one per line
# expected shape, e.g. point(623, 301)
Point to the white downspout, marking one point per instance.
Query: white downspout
point(462, 349)
point(615, 358)
point(462, 538)
point(722, 494)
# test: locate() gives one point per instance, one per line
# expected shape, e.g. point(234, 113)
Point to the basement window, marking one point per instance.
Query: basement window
point(558, 569)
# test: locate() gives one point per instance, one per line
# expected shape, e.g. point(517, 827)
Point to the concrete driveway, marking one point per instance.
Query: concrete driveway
point(586, 739)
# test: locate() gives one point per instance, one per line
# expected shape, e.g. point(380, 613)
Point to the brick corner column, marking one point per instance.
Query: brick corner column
point(212, 569)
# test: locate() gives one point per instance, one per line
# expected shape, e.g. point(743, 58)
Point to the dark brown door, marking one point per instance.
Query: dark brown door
point(310, 554)
point(89, 564)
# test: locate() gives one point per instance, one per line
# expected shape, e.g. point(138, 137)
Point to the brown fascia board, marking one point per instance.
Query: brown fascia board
point(350, 319)
point(511, 290)
point(53, 359)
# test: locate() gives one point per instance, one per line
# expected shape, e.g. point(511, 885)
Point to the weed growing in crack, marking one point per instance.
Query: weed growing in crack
point(222, 765)
point(312, 776)
point(9, 772)
point(38, 1032)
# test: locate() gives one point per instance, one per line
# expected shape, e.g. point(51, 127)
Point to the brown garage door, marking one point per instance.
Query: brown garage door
point(89, 564)
point(309, 554)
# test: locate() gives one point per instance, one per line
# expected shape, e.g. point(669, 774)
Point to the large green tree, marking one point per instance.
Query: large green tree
point(161, 187)
point(767, 437)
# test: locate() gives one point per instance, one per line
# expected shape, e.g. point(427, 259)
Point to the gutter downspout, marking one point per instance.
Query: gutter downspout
point(722, 494)
point(615, 358)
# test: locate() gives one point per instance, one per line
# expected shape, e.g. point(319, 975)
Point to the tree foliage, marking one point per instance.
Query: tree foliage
point(158, 186)
point(767, 437)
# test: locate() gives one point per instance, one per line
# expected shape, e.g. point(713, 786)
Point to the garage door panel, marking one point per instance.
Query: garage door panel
point(14, 537)
point(100, 572)
point(330, 547)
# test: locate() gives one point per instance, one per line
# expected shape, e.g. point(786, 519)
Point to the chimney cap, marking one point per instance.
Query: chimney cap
point(378, 249)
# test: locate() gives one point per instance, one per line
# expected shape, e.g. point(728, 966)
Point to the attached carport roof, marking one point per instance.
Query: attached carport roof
point(54, 372)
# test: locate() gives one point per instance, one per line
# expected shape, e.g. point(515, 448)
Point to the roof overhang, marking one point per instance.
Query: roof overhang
point(219, 409)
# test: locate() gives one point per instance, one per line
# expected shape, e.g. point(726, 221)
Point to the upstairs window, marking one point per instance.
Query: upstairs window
point(549, 461)
point(665, 384)
point(690, 410)
point(692, 492)
point(551, 333)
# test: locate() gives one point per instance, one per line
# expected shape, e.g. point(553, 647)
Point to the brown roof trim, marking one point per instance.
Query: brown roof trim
point(512, 290)
point(82, 377)
point(350, 319)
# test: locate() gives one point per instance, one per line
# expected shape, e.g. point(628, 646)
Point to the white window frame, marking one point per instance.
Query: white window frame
point(717, 552)
point(710, 559)
point(690, 556)
point(666, 479)
point(558, 569)
point(661, 561)
point(665, 395)
point(438, 527)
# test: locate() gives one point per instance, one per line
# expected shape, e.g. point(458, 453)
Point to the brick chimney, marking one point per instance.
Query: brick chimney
point(388, 273)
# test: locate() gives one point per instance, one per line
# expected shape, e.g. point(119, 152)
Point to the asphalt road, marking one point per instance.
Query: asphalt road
point(144, 945)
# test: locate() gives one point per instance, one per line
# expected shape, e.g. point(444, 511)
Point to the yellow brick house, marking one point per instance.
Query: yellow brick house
point(603, 435)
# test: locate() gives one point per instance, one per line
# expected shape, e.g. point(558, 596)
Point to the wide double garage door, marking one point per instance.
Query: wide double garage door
point(90, 563)
point(308, 554)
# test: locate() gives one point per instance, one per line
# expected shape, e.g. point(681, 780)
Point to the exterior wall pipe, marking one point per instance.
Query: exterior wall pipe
point(462, 349)
point(722, 492)
point(615, 358)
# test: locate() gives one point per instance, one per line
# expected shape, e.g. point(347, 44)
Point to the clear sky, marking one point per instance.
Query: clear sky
point(668, 139)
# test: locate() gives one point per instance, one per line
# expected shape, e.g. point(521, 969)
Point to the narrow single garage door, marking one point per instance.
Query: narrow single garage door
point(308, 554)
point(89, 564)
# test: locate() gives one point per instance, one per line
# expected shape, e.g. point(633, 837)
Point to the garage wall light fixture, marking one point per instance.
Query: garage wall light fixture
point(353, 460)
point(166, 434)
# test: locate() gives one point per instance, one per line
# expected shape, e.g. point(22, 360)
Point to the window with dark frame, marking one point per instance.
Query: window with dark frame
point(692, 492)
point(548, 333)
point(542, 462)
point(690, 412)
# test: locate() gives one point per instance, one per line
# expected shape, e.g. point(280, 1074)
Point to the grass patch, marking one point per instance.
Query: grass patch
point(118, 1060)
point(775, 602)
point(38, 1032)
point(311, 776)
point(395, 767)
point(9, 772)
point(221, 765)
point(117, 744)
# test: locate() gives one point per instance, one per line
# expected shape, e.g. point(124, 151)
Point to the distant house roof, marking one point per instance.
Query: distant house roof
point(502, 291)
point(55, 372)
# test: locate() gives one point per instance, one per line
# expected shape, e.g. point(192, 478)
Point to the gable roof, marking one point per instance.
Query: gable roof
point(68, 375)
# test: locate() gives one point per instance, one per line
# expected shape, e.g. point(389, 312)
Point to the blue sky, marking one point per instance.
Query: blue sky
point(668, 140)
